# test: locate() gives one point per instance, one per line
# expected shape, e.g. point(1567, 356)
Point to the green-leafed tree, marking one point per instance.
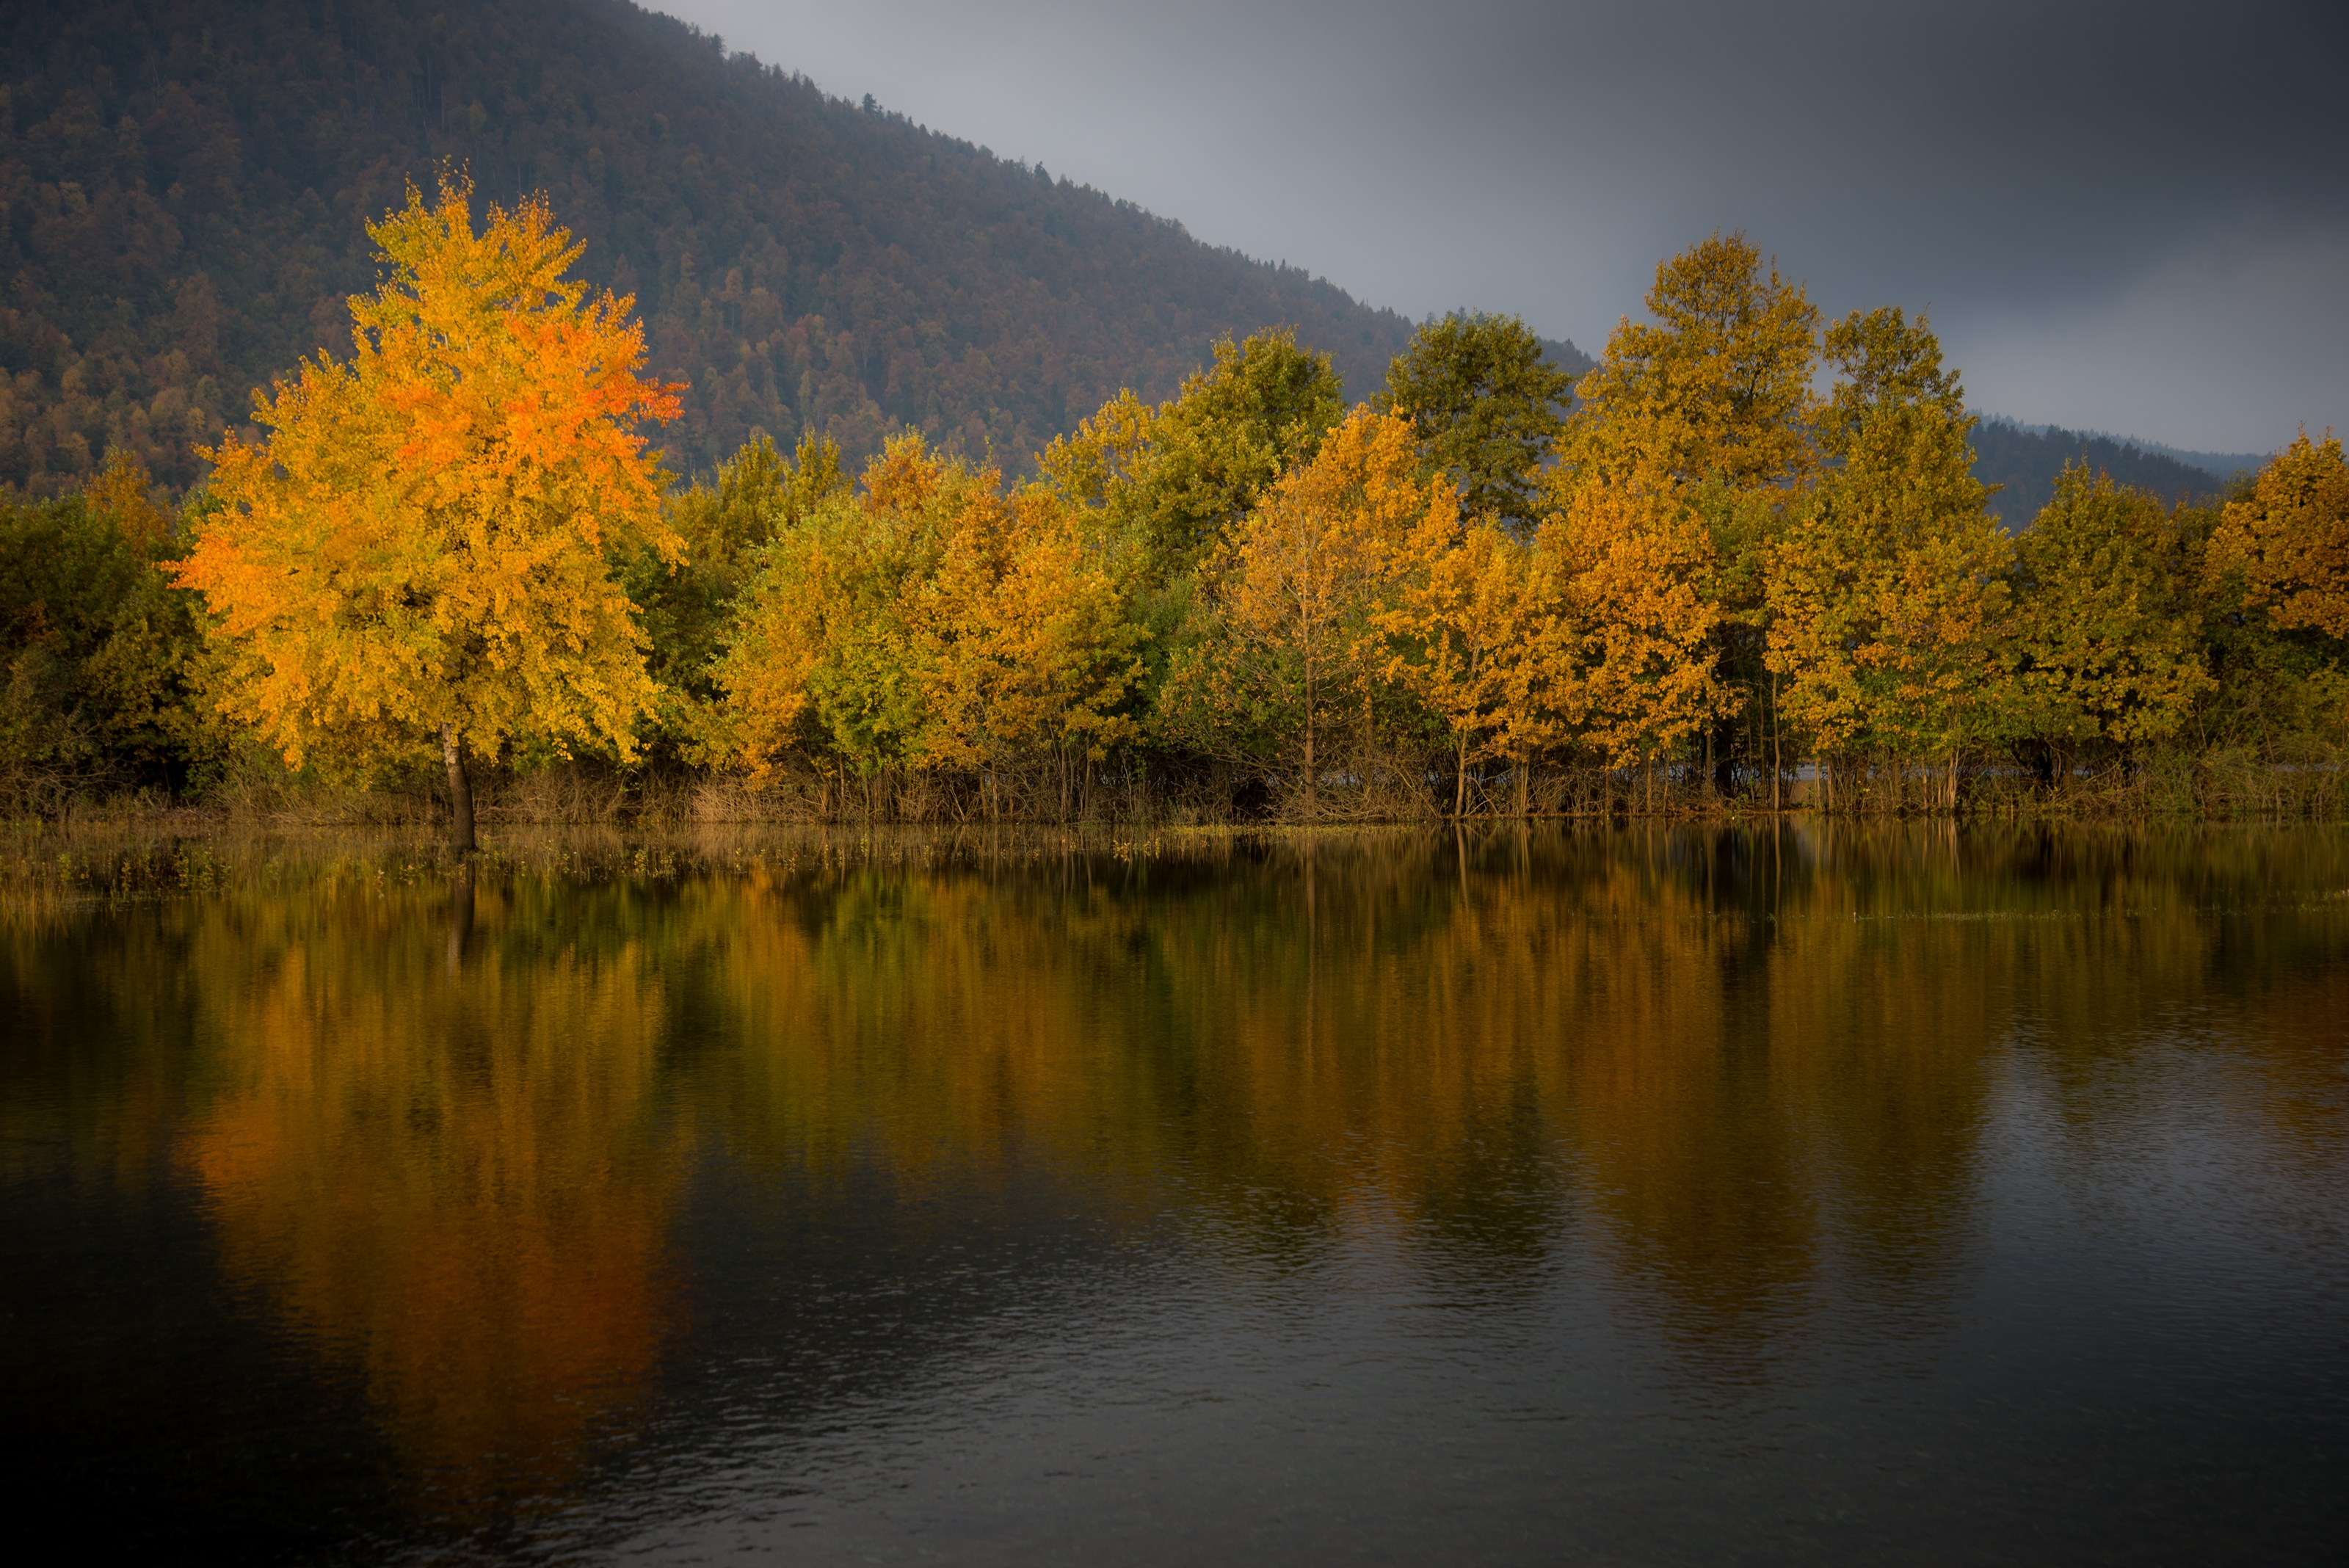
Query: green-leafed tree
point(2106, 646)
point(1163, 493)
point(687, 606)
point(1177, 480)
point(98, 653)
point(1486, 406)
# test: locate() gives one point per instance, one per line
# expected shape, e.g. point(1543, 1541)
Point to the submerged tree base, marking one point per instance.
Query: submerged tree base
point(2306, 783)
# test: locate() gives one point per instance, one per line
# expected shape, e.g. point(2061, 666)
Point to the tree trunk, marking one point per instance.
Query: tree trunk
point(460, 790)
point(1460, 779)
point(1777, 755)
point(1312, 808)
point(1522, 790)
point(1312, 776)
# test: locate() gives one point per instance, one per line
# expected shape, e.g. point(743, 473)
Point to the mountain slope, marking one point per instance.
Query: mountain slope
point(2025, 460)
point(184, 185)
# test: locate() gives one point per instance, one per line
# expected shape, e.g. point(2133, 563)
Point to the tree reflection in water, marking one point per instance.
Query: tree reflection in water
point(445, 1124)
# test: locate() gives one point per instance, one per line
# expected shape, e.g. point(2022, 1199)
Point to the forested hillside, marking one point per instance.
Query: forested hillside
point(184, 185)
point(2025, 463)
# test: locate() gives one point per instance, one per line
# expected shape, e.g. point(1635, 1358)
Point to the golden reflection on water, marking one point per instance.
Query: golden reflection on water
point(444, 1124)
point(441, 1163)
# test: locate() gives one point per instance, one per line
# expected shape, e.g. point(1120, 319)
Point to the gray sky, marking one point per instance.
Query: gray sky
point(2125, 218)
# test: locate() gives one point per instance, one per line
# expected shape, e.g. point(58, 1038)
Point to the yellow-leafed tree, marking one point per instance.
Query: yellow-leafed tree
point(1719, 386)
point(1634, 559)
point(929, 620)
point(2290, 539)
point(1030, 649)
point(420, 552)
point(1714, 395)
point(1314, 556)
point(1888, 593)
point(1465, 620)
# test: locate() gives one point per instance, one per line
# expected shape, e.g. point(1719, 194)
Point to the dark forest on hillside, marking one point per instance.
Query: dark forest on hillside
point(184, 185)
point(2025, 464)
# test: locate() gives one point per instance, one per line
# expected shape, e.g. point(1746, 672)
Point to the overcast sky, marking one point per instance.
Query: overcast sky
point(2132, 219)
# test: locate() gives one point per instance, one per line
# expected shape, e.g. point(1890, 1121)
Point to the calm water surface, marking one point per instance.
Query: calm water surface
point(1897, 1196)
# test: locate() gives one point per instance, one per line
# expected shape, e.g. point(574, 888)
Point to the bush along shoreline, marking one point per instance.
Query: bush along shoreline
point(450, 580)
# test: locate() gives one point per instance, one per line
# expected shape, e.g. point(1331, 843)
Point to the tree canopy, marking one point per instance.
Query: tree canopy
point(1718, 386)
point(420, 551)
point(1488, 407)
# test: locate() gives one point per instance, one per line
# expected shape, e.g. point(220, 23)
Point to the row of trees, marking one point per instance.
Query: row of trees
point(1705, 582)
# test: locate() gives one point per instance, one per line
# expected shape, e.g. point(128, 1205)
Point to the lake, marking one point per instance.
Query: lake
point(1913, 1194)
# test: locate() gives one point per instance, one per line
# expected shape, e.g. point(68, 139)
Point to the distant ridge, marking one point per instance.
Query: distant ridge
point(2024, 460)
point(1562, 353)
point(184, 185)
point(2223, 465)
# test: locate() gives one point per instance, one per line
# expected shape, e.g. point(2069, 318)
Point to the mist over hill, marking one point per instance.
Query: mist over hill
point(184, 186)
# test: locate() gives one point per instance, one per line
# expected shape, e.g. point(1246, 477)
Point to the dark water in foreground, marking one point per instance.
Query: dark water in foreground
point(1646, 1197)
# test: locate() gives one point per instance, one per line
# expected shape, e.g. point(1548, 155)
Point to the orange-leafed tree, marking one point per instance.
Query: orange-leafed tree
point(422, 551)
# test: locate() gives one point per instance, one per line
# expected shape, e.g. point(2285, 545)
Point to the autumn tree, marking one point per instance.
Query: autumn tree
point(1719, 384)
point(122, 493)
point(1486, 409)
point(686, 606)
point(1471, 624)
point(2106, 646)
point(2289, 539)
point(1162, 493)
point(1886, 593)
point(1031, 652)
point(929, 620)
point(99, 654)
point(421, 549)
point(1181, 477)
point(1303, 579)
point(828, 647)
point(1635, 559)
point(1714, 394)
